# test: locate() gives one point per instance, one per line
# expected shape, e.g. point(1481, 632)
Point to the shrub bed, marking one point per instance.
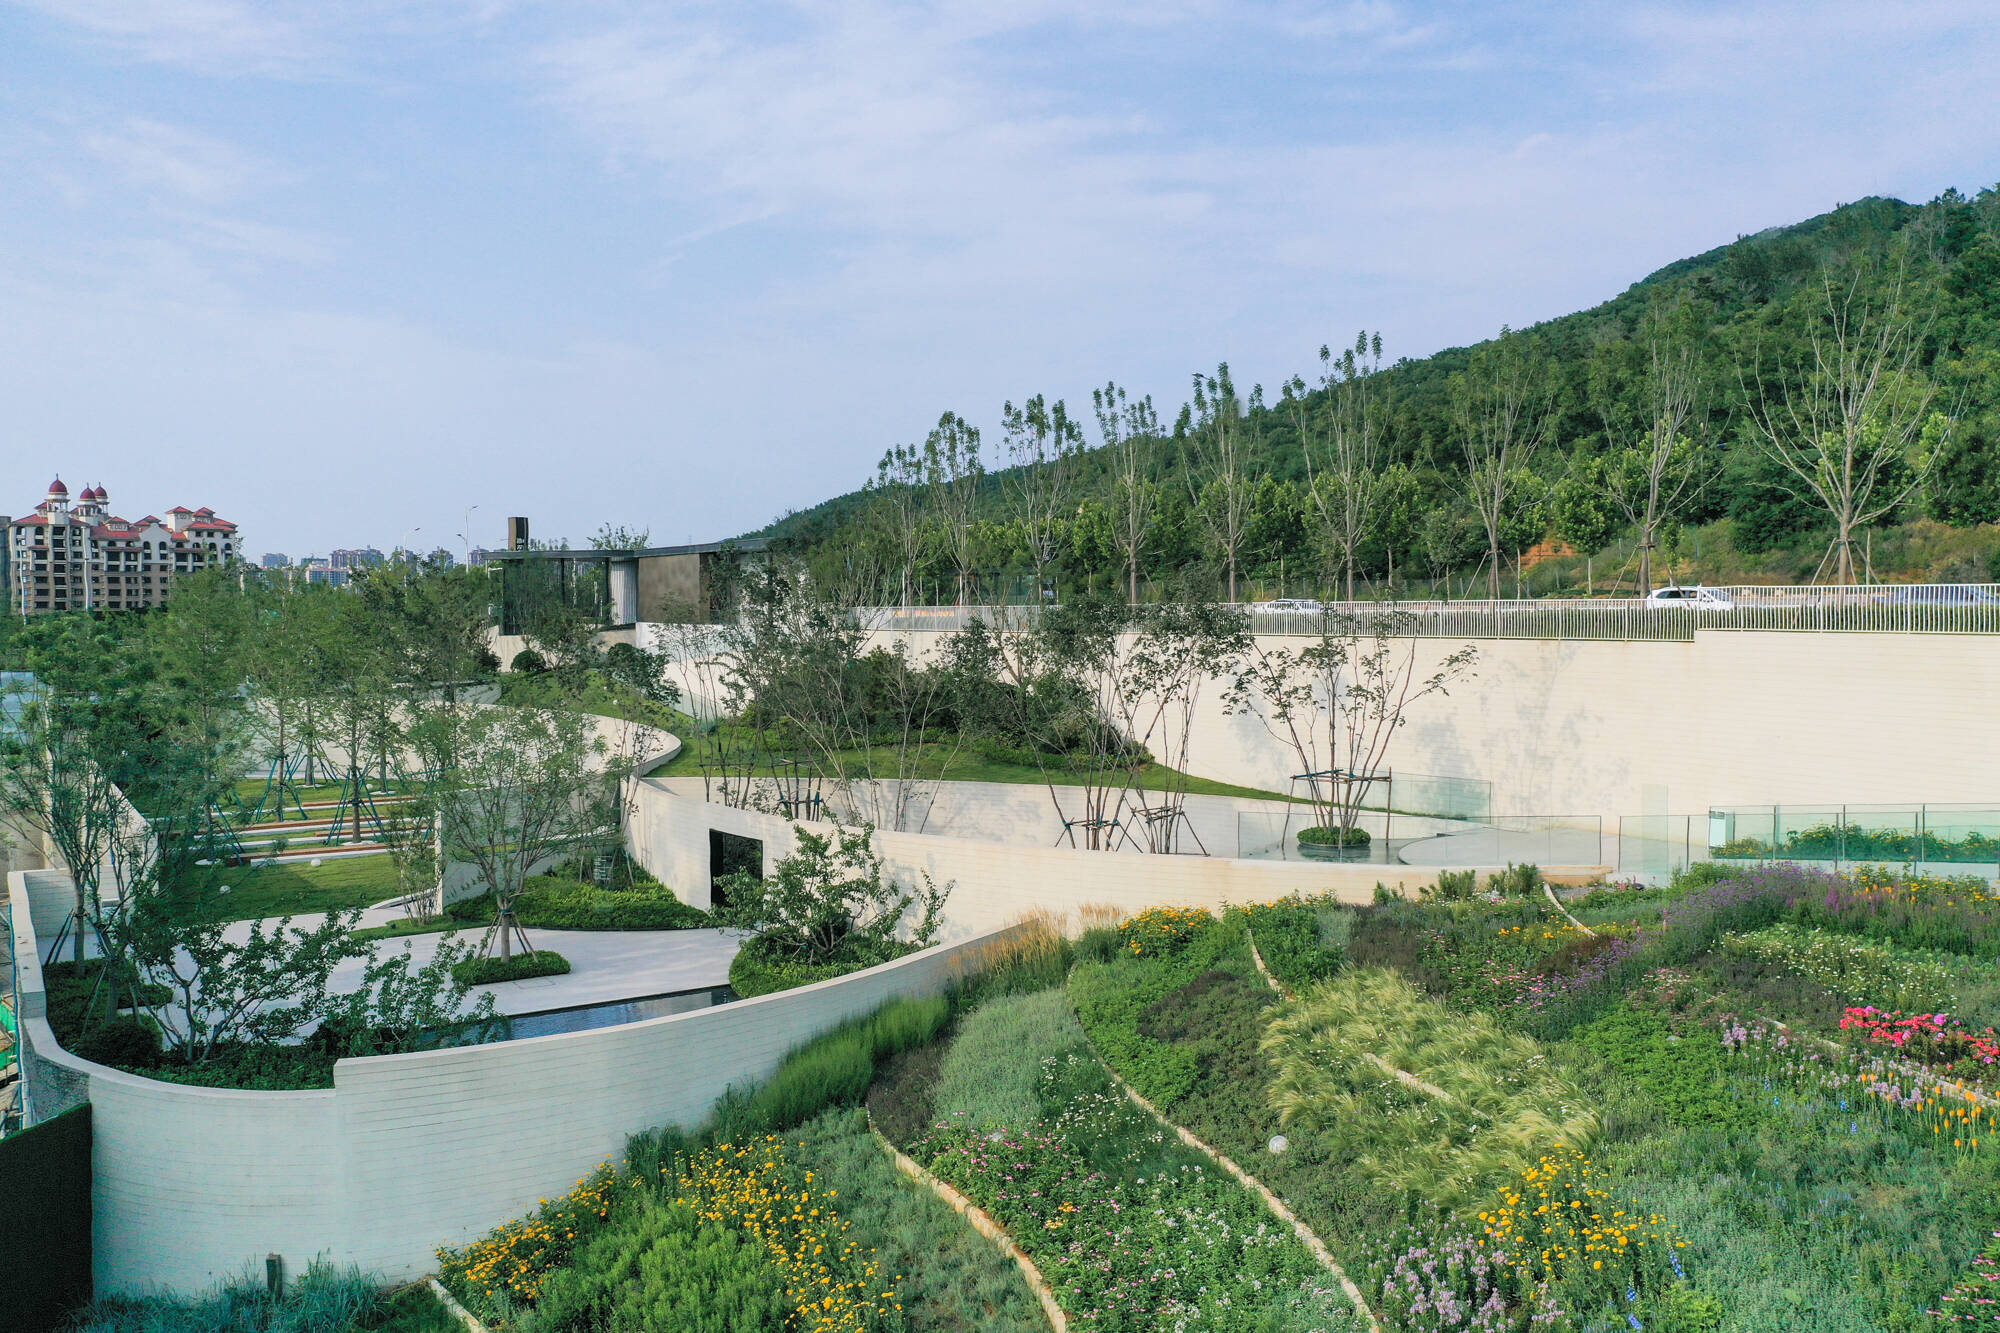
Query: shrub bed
point(493, 969)
point(1131, 1229)
point(758, 970)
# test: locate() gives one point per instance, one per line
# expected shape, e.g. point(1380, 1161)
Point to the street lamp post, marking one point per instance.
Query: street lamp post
point(465, 533)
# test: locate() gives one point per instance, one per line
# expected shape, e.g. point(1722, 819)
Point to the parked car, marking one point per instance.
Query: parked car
point(1939, 594)
point(1288, 606)
point(1691, 594)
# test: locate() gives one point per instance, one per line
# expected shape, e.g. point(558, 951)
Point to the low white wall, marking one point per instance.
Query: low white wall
point(1025, 814)
point(408, 1151)
point(997, 881)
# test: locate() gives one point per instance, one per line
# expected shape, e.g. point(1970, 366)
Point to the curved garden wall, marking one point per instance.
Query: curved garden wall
point(996, 881)
point(405, 1151)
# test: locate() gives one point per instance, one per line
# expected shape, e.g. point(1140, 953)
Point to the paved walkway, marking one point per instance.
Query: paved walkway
point(605, 965)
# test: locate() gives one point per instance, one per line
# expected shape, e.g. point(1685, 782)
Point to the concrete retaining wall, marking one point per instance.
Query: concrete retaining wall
point(998, 881)
point(1616, 727)
point(406, 1151)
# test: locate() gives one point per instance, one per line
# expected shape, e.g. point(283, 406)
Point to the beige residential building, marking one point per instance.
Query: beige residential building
point(79, 556)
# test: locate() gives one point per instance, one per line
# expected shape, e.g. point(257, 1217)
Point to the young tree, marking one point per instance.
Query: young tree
point(899, 491)
point(1852, 423)
point(1175, 649)
point(1503, 413)
point(1580, 513)
point(1341, 436)
point(871, 722)
point(1130, 430)
point(1042, 448)
point(1656, 478)
point(530, 783)
point(1338, 702)
point(952, 475)
point(1216, 429)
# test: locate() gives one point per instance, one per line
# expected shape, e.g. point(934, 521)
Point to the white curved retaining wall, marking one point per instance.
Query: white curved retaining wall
point(408, 1151)
point(1615, 727)
point(996, 881)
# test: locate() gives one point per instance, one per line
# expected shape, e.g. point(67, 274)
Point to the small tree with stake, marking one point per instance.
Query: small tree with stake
point(1337, 704)
point(529, 783)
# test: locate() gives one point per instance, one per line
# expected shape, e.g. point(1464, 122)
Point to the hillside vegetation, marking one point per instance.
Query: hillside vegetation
point(1862, 347)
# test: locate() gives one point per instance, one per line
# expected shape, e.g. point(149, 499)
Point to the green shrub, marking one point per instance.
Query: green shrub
point(758, 969)
point(128, 1042)
point(528, 662)
point(1319, 835)
point(1300, 941)
point(1682, 1074)
point(1516, 881)
point(661, 1265)
point(1453, 886)
point(487, 971)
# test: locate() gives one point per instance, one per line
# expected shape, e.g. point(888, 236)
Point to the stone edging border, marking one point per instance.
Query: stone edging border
point(1557, 903)
point(984, 1225)
point(450, 1302)
point(1255, 1186)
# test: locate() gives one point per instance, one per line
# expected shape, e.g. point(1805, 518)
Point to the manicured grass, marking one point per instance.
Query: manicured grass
point(964, 764)
point(288, 888)
point(552, 902)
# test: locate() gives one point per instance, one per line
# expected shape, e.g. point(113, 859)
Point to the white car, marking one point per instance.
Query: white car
point(1297, 606)
point(1693, 595)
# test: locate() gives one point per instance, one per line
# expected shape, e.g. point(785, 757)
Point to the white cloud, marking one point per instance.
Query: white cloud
point(174, 161)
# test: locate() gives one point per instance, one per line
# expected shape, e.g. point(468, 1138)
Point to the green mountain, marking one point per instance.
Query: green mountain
point(1745, 311)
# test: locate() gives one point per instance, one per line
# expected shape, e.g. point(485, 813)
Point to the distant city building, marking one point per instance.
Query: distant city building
point(276, 560)
point(479, 555)
point(320, 570)
point(77, 557)
point(358, 558)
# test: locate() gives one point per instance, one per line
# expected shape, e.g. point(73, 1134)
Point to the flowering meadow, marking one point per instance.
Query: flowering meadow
point(1761, 1099)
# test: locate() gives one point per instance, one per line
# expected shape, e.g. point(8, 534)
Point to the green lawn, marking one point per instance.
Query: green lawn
point(935, 760)
point(290, 888)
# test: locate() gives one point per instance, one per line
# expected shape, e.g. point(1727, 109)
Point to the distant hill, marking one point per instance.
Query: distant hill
point(1749, 307)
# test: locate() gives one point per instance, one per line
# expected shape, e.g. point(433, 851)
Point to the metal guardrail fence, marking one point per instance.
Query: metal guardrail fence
point(1927, 608)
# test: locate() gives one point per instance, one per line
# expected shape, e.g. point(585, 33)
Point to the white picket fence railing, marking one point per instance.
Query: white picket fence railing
point(1926, 608)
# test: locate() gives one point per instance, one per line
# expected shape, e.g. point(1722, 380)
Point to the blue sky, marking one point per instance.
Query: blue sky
point(341, 270)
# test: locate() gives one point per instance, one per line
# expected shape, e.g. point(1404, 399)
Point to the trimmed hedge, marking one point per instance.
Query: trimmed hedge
point(1319, 835)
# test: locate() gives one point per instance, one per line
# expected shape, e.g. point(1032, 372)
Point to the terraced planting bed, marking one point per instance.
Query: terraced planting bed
point(1759, 1102)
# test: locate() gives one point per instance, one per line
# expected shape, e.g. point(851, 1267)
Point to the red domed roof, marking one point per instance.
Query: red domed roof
point(57, 488)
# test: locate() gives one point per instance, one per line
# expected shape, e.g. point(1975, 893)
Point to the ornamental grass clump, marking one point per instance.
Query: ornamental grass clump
point(1441, 1105)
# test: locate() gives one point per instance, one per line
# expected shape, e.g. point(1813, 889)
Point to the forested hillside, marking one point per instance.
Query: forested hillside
point(1820, 400)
